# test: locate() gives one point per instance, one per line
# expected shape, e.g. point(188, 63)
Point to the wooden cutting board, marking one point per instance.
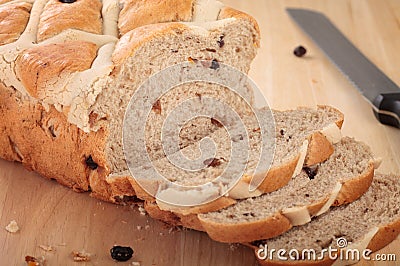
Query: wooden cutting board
point(51, 215)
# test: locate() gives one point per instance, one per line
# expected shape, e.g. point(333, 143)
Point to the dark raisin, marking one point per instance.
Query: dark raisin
point(311, 172)
point(212, 162)
point(221, 41)
point(215, 122)
point(120, 253)
point(90, 163)
point(67, 1)
point(282, 132)
point(157, 107)
point(174, 50)
point(299, 51)
point(31, 260)
point(211, 50)
point(307, 195)
point(214, 64)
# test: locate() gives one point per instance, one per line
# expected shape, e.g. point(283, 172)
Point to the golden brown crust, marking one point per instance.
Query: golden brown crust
point(319, 149)
point(154, 211)
point(384, 236)
point(191, 221)
point(120, 187)
point(354, 188)
point(228, 12)
point(39, 65)
point(82, 15)
point(272, 226)
point(13, 20)
point(38, 139)
point(279, 176)
point(4, 1)
point(136, 13)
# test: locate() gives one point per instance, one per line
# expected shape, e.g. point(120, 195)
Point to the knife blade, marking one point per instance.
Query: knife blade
point(381, 92)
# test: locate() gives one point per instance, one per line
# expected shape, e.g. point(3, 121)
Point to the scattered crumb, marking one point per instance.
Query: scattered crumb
point(139, 227)
point(142, 210)
point(147, 227)
point(12, 227)
point(46, 248)
point(233, 247)
point(175, 229)
point(81, 256)
point(124, 222)
point(32, 261)
point(135, 263)
point(161, 234)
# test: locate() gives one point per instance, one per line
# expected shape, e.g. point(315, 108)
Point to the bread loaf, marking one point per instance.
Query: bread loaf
point(68, 71)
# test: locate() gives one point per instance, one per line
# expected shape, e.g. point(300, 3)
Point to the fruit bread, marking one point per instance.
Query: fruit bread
point(68, 70)
point(371, 222)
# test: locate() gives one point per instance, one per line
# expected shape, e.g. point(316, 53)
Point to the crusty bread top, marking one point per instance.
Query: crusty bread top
point(136, 13)
point(40, 66)
point(82, 15)
point(13, 20)
point(52, 21)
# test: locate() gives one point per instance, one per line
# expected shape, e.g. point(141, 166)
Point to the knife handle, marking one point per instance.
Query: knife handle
point(388, 109)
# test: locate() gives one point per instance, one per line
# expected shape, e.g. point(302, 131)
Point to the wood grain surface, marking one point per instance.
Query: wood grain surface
point(51, 215)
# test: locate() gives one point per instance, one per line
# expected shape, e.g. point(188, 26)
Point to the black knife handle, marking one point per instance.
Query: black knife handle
point(388, 105)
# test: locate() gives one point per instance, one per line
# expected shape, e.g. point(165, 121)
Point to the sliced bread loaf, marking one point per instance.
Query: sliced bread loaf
point(371, 222)
point(344, 177)
point(67, 85)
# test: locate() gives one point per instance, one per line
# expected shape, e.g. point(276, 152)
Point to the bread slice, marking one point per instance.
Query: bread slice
point(343, 178)
point(371, 222)
point(303, 136)
point(73, 108)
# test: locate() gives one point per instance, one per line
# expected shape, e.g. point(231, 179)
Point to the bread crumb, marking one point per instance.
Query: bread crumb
point(147, 227)
point(135, 263)
point(124, 222)
point(46, 248)
point(81, 256)
point(12, 227)
point(233, 247)
point(142, 210)
point(32, 261)
point(139, 227)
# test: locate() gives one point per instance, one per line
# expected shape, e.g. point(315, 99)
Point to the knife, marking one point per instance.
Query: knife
point(382, 93)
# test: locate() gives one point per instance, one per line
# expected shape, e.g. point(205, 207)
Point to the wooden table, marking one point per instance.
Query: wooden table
point(52, 215)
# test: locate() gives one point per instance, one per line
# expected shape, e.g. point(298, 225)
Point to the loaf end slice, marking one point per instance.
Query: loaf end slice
point(371, 222)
